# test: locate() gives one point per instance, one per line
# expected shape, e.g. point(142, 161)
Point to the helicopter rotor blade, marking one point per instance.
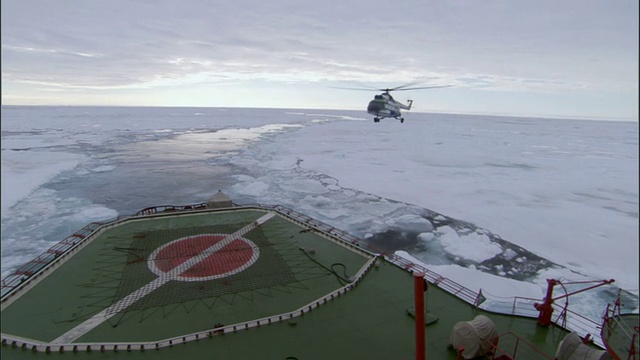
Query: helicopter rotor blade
point(419, 88)
point(397, 88)
point(414, 83)
point(363, 89)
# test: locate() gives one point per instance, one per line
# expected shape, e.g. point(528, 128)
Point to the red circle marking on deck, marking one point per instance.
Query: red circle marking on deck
point(210, 258)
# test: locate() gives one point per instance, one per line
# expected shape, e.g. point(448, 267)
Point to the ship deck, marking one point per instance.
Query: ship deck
point(235, 283)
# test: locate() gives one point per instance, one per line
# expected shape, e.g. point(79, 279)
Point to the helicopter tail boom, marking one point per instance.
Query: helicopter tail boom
point(403, 106)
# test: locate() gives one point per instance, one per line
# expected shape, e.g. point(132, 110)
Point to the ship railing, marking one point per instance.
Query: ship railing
point(627, 333)
point(319, 225)
point(36, 346)
point(344, 238)
point(35, 266)
point(440, 281)
point(509, 346)
point(578, 323)
point(447, 284)
point(46, 262)
point(518, 306)
point(170, 208)
point(524, 306)
point(515, 306)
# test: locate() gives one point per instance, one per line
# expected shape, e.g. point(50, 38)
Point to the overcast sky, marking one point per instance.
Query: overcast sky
point(572, 58)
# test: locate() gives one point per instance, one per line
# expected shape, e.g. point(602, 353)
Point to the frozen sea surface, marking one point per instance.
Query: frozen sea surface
point(494, 200)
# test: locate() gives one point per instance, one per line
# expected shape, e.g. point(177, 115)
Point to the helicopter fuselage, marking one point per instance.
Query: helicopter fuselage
point(384, 106)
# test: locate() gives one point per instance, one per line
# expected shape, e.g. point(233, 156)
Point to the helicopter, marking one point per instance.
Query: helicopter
point(385, 106)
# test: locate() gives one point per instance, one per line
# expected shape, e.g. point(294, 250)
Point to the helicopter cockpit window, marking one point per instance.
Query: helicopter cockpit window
point(378, 97)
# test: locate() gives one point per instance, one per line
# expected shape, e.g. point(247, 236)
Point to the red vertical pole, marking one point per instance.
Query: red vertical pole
point(418, 286)
point(546, 308)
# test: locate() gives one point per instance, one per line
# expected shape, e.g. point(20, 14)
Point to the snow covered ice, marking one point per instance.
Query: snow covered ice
point(497, 203)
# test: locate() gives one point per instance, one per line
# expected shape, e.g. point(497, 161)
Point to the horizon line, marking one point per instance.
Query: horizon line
point(444, 112)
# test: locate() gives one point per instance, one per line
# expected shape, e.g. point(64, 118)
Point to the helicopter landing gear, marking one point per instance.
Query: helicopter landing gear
point(401, 120)
point(375, 120)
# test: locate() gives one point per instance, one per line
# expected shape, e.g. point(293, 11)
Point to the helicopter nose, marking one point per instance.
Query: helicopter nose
point(374, 107)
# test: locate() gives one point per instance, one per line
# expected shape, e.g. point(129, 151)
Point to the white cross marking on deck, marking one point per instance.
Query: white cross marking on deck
point(125, 302)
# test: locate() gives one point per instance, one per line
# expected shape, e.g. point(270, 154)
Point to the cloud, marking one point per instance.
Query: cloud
point(497, 45)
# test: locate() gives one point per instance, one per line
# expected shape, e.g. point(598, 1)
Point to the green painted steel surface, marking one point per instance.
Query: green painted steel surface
point(368, 322)
point(622, 335)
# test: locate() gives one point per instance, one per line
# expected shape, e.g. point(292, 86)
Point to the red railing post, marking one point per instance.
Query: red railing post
point(418, 286)
point(546, 308)
point(632, 349)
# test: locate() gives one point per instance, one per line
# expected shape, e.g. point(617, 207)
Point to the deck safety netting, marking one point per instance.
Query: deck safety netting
point(281, 265)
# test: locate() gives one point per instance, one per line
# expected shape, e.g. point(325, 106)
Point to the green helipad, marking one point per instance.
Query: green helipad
point(235, 283)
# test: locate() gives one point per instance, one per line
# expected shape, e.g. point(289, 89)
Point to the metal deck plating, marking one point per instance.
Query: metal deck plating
point(242, 282)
